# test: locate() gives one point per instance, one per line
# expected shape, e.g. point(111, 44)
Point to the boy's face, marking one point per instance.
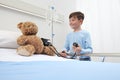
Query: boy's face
point(75, 23)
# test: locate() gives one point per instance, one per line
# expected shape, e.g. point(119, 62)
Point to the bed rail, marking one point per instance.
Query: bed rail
point(103, 54)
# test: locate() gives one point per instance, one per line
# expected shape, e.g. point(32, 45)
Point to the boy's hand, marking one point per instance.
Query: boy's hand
point(63, 54)
point(77, 49)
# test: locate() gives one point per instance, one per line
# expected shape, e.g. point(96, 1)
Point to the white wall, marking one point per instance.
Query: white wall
point(102, 20)
point(10, 18)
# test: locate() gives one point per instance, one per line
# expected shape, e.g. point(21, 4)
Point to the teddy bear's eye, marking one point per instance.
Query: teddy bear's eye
point(29, 26)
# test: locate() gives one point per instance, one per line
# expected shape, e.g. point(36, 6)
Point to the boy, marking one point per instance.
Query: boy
point(79, 36)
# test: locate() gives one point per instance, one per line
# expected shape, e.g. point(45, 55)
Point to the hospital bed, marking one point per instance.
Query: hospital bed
point(43, 67)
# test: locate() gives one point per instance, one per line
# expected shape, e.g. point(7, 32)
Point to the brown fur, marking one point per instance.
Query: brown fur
point(28, 28)
point(29, 39)
point(27, 50)
point(29, 42)
point(49, 50)
point(32, 40)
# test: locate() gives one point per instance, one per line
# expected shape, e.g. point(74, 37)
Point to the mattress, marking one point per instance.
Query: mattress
point(43, 67)
point(11, 55)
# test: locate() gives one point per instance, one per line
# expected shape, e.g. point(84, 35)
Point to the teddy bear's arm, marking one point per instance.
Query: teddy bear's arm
point(22, 40)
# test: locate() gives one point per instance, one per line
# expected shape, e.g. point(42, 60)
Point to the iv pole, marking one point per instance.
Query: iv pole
point(52, 21)
point(50, 17)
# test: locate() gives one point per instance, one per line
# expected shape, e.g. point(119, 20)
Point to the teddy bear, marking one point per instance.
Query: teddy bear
point(29, 43)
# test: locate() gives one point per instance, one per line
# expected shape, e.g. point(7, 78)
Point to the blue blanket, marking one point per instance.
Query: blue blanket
point(59, 70)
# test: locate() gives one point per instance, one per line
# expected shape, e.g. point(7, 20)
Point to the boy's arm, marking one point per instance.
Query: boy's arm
point(66, 45)
point(65, 49)
point(87, 45)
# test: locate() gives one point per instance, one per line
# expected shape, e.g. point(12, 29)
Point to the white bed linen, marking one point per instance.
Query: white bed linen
point(11, 55)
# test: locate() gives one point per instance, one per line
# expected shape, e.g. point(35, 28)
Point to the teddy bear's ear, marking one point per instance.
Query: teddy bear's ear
point(19, 25)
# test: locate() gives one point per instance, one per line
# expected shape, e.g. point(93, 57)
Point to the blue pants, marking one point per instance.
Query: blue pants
point(85, 59)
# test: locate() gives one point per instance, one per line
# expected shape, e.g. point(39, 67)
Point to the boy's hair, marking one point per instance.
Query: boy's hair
point(79, 15)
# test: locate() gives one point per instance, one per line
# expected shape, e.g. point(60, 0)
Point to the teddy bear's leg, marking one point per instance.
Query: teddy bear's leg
point(26, 50)
point(49, 51)
point(52, 50)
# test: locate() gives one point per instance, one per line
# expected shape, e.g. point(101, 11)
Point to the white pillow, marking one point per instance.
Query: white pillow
point(8, 39)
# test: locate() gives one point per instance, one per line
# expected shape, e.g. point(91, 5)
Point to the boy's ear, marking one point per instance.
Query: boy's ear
point(81, 21)
point(20, 25)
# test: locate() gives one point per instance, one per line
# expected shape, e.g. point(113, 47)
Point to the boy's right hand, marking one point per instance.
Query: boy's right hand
point(63, 54)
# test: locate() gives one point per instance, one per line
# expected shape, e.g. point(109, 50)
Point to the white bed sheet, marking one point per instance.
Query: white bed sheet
point(11, 55)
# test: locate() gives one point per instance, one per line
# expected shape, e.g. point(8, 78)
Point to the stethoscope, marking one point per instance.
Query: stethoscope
point(46, 43)
point(68, 57)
